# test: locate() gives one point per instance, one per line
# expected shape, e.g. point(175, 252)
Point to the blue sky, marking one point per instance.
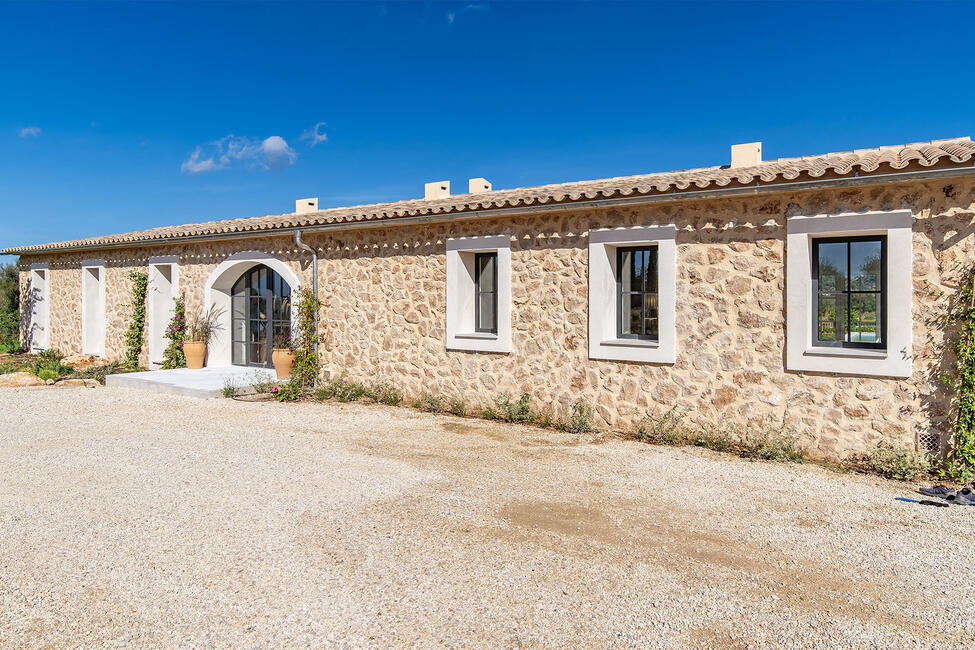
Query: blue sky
point(124, 116)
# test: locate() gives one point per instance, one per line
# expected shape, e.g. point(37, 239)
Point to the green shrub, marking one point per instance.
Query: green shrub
point(305, 369)
point(580, 417)
point(51, 362)
point(341, 389)
point(13, 366)
point(9, 308)
point(773, 441)
point(288, 391)
point(46, 374)
point(902, 463)
point(431, 403)
point(505, 409)
point(384, 394)
point(133, 338)
point(173, 356)
point(344, 390)
point(667, 428)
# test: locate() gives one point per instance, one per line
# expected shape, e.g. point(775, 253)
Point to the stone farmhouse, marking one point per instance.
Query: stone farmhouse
point(806, 287)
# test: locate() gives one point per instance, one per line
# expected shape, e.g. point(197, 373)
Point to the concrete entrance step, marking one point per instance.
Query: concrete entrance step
point(205, 382)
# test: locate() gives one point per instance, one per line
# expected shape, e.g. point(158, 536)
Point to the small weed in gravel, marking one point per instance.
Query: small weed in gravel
point(98, 373)
point(667, 428)
point(580, 418)
point(261, 383)
point(457, 406)
point(775, 441)
point(230, 387)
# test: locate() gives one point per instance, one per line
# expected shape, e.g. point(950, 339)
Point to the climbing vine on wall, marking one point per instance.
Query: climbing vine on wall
point(305, 369)
point(173, 356)
point(960, 464)
point(133, 339)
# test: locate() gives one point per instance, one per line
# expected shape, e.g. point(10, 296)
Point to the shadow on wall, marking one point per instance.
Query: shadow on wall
point(937, 394)
point(29, 299)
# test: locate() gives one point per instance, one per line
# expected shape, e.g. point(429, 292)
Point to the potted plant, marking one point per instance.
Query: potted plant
point(200, 326)
point(283, 355)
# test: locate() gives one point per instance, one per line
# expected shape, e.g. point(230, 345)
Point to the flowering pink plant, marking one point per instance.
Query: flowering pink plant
point(274, 390)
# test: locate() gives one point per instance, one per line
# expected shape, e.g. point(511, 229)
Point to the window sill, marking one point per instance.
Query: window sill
point(860, 353)
point(631, 343)
point(486, 336)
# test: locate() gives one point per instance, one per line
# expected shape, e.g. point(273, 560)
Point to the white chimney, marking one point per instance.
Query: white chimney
point(478, 185)
point(306, 205)
point(746, 155)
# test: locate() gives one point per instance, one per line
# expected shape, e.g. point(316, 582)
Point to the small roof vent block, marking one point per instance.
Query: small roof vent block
point(437, 190)
point(478, 185)
point(746, 155)
point(306, 205)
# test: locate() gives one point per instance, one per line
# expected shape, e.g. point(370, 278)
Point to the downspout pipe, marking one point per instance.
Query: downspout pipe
point(314, 286)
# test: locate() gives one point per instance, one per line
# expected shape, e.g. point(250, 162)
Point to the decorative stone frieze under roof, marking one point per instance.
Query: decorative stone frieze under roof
point(888, 159)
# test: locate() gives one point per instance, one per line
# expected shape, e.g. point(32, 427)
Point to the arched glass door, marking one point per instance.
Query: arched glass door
point(261, 306)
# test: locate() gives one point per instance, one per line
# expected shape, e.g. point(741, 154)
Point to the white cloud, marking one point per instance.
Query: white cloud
point(277, 153)
point(315, 135)
point(454, 15)
point(29, 132)
point(270, 153)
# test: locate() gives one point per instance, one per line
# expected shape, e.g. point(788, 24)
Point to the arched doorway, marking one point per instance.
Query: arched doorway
point(260, 315)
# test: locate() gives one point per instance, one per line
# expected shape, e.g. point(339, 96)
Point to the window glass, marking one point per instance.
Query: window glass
point(637, 281)
point(849, 291)
point(485, 292)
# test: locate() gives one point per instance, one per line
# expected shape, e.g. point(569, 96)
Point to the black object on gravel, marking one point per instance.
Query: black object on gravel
point(938, 491)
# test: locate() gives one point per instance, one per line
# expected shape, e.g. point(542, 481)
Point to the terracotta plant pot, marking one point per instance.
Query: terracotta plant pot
point(283, 359)
point(195, 353)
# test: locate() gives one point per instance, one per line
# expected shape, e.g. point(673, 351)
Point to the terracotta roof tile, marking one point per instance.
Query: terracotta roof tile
point(924, 154)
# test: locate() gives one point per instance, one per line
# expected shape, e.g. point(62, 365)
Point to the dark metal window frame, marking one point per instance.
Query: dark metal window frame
point(478, 292)
point(270, 322)
point(881, 298)
point(620, 251)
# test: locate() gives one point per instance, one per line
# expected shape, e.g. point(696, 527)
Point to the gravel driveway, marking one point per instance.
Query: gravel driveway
point(137, 518)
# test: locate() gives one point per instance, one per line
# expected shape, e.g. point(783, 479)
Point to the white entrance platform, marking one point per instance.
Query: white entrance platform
point(205, 382)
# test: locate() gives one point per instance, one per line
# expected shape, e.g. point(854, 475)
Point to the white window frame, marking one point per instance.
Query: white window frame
point(97, 319)
point(460, 294)
point(160, 309)
point(39, 330)
point(604, 342)
point(894, 361)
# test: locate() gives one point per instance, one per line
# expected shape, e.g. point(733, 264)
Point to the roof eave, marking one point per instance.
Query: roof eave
point(757, 188)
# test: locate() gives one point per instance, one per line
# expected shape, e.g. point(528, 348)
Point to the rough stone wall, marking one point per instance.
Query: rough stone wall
point(383, 316)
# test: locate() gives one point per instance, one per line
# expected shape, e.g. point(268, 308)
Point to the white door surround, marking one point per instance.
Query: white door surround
point(39, 331)
point(161, 293)
point(217, 294)
point(93, 307)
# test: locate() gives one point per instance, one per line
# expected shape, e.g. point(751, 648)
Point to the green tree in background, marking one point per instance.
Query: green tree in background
point(9, 308)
